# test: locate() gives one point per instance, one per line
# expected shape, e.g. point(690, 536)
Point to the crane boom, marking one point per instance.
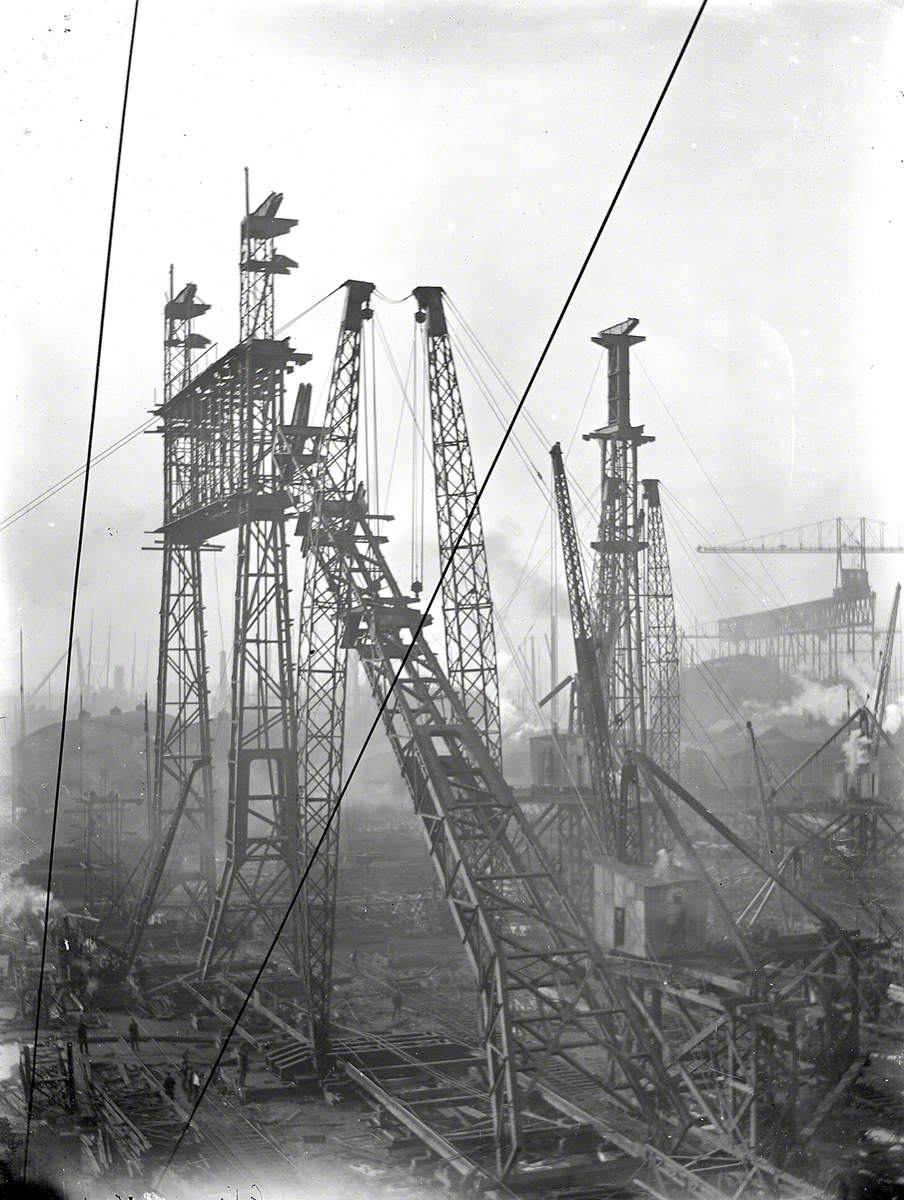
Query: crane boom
point(546, 992)
point(880, 696)
point(608, 829)
point(467, 603)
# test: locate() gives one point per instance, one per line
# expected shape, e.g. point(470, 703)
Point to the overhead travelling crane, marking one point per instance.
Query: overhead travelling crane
point(815, 635)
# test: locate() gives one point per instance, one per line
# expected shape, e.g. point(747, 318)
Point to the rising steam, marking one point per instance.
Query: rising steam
point(856, 751)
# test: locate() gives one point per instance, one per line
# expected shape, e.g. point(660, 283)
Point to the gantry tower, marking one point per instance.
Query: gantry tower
point(238, 404)
point(182, 719)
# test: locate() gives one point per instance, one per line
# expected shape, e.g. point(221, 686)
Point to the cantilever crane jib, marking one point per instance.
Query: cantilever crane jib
point(606, 822)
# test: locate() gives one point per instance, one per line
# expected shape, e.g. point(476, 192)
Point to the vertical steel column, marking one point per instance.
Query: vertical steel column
point(618, 578)
point(467, 603)
point(182, 695)
point(323, 656)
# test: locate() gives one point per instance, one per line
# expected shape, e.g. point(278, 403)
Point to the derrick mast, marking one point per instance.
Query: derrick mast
point(323, 652)
point(467, 603)
point(182, 719)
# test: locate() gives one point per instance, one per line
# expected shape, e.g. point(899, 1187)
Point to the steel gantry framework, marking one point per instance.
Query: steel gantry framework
point(817, 636)
point(664, 1058)
point(236, 407)
point(661, 650)
point(322, 648)
point(467, 603)
point(183, 717)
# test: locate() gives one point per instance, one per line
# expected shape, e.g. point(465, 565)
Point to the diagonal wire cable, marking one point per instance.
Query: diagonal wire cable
point(438, 586)
point(75, 580)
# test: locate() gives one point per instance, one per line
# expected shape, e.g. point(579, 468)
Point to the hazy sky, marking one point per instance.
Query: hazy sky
point(476, 146)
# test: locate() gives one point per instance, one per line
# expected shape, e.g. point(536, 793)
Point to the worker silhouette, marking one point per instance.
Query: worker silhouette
point(82, 1032)
point(134, 1035)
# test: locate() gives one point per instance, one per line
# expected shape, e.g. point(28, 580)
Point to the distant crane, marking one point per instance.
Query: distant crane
point(817, 634)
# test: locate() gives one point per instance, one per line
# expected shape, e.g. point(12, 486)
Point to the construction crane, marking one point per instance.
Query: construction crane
point(661, 658)
point(840, 536)
point(236, 483)
point(466, 600)
point(817, 635)
point(545, 990)
point(183, 707)
point(606, 823)
point(322, 653)
point(880, 694)
point(622, 603)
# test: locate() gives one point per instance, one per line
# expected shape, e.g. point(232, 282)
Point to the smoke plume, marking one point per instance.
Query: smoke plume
point(856, 751)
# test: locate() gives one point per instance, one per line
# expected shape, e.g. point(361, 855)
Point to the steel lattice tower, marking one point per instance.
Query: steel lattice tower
point(323, 653)
point(617, 582)
point(663, 688)
point(182, 694)
point(467, 603)
point(600, 823)
point(244, 484)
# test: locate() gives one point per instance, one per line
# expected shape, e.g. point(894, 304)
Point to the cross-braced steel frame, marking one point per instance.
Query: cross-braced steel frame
point(183, 717)
point(617, 584)
point(467, 604)
point(661, 649)
point(546, 995)
point(604, 828)
point(323, 654)
point(238, 483)
point(556, 1014)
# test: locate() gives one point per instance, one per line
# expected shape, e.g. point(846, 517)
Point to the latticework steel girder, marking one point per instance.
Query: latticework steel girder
point(617, 587)
point(183, 717)
point(605, 820)
point(467, 604)
point(322, 658)
point(545, 992)
point(262, 864)
point(661, 650)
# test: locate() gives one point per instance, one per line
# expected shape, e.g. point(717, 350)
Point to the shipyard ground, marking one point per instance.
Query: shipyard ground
point(401, 984)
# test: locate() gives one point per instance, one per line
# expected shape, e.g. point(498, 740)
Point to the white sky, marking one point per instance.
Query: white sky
point(475, 146)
